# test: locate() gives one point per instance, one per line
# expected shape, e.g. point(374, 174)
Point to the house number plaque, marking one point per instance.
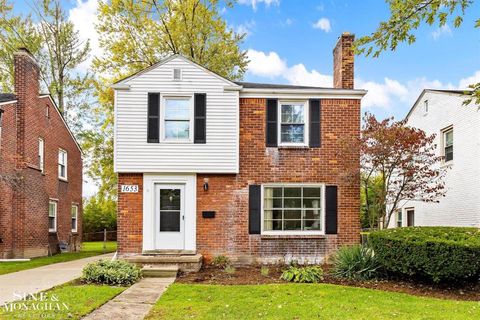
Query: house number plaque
point(129, 188)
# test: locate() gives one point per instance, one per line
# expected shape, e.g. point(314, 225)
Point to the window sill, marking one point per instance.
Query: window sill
point(292, 236)
point(293, 147)
point(52, 232)
point(35, 168)
point(62, 179)
point(447, 164)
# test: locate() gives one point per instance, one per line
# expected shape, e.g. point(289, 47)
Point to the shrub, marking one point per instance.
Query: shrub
point(221, 261)
point(264, 271)
point(117, 272)
point(311, 274)
point(435, 253)
point(355, 263)
point(230, 270)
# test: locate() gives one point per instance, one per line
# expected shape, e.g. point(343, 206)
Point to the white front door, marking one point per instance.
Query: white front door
point(170, 216)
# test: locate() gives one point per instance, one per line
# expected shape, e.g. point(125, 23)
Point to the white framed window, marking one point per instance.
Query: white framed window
point(425, 107)
point(62, 164)
point(47, 111)
point(293, 209)
point(177, 119)
point(52, 216)
point(448, 144)
point(41, 154)
point(74, 213)
point(293, 123)
point(399, 219)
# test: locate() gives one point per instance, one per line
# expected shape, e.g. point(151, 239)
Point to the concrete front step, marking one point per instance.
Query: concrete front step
point(160, 271)
point(169, 252)
point(185, 263)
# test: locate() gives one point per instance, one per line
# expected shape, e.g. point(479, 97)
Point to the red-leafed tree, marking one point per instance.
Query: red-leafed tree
point(398, 163)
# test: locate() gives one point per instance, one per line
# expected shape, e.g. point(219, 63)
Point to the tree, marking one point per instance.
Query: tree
point(371, 206)
point(52, 39)
point(99, 214)
point(135, 35)
point(405, 17)
point(397, 164)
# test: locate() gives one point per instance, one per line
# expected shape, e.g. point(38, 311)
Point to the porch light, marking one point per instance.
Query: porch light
point(205, 184)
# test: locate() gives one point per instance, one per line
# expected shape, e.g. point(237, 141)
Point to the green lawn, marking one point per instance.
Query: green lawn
point(303, 301)
point(74, 301)
point(89, 249)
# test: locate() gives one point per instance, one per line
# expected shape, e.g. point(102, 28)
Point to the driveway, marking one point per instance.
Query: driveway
point(42, 278)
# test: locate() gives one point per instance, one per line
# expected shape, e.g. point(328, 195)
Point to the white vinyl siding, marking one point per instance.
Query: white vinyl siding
point(134, 154)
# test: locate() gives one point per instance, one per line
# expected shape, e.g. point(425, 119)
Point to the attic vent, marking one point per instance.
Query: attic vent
point(177, 74)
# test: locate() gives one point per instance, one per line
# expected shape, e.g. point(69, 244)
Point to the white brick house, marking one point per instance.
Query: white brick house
point(457, 129)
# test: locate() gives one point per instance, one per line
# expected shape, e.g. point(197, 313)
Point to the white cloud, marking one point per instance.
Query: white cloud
point(263, 64)
point(246, 27)
point(465, 82)
point(288, 21)
point(323, 24)
point(442, 31)
point(299, 75)
point(254, 3)
point(84, 17)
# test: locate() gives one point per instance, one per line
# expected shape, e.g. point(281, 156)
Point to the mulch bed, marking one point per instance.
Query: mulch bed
point(250, 275)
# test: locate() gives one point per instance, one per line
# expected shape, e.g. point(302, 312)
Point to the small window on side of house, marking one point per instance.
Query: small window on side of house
point(177, 74)
point(41, 155)
point(425, 107)
point(47, 112)
point(448, 145)
point(52, 216)
point(62, 164)
point(1, 120)
point(399, 219)
point(74, 218)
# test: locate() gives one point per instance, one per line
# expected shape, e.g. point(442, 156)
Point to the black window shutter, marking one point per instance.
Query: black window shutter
point(272, 119)
point(254, 208)
point(153, 125)
point(315, 116)
point(200, 115)
point(331, 210)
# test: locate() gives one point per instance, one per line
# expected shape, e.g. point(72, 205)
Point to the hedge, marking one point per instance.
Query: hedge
point(116, 272)
point(435, 253)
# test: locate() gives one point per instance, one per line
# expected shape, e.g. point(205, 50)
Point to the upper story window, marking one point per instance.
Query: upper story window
point(52, 216)
point(74, 214)
point(62, 164)
point(293, 123)
point(47, 111)
point(425, 107)
point(293, 209)
point(399, 218)
point(448, 144)
point(1, 120)
point(41, 154)
point(177, 119)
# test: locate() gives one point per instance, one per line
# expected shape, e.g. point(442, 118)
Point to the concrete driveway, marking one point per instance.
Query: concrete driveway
point(42, 278)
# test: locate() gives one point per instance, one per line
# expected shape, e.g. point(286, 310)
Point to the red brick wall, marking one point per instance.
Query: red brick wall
point(343, 62)
point(130, 215)
point(228, 234)
point(25, 214)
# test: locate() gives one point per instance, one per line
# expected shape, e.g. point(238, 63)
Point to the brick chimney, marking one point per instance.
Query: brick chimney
point(27, 75)
point(27, 87)
point(343, 63)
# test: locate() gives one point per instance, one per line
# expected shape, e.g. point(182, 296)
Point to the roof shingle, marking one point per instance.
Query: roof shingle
point(5, 97)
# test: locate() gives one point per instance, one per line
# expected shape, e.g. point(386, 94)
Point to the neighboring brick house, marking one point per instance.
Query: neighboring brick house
point(457, 130)
point(247, 170)
point(40, 170)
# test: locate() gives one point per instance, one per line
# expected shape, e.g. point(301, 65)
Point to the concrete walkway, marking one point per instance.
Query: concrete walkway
point(134, 303)
point(42, 278)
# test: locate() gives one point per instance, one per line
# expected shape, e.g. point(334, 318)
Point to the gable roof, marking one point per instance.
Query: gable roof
point(6, 97)
point(118, 84)
point(459, 92)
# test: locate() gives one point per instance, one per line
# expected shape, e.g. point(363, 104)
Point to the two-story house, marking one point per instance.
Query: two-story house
point(457, 130)
point(247, 170)
point(40, 170)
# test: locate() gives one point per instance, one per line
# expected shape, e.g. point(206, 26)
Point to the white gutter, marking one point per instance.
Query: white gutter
point(120, 86)
point(300, 93)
